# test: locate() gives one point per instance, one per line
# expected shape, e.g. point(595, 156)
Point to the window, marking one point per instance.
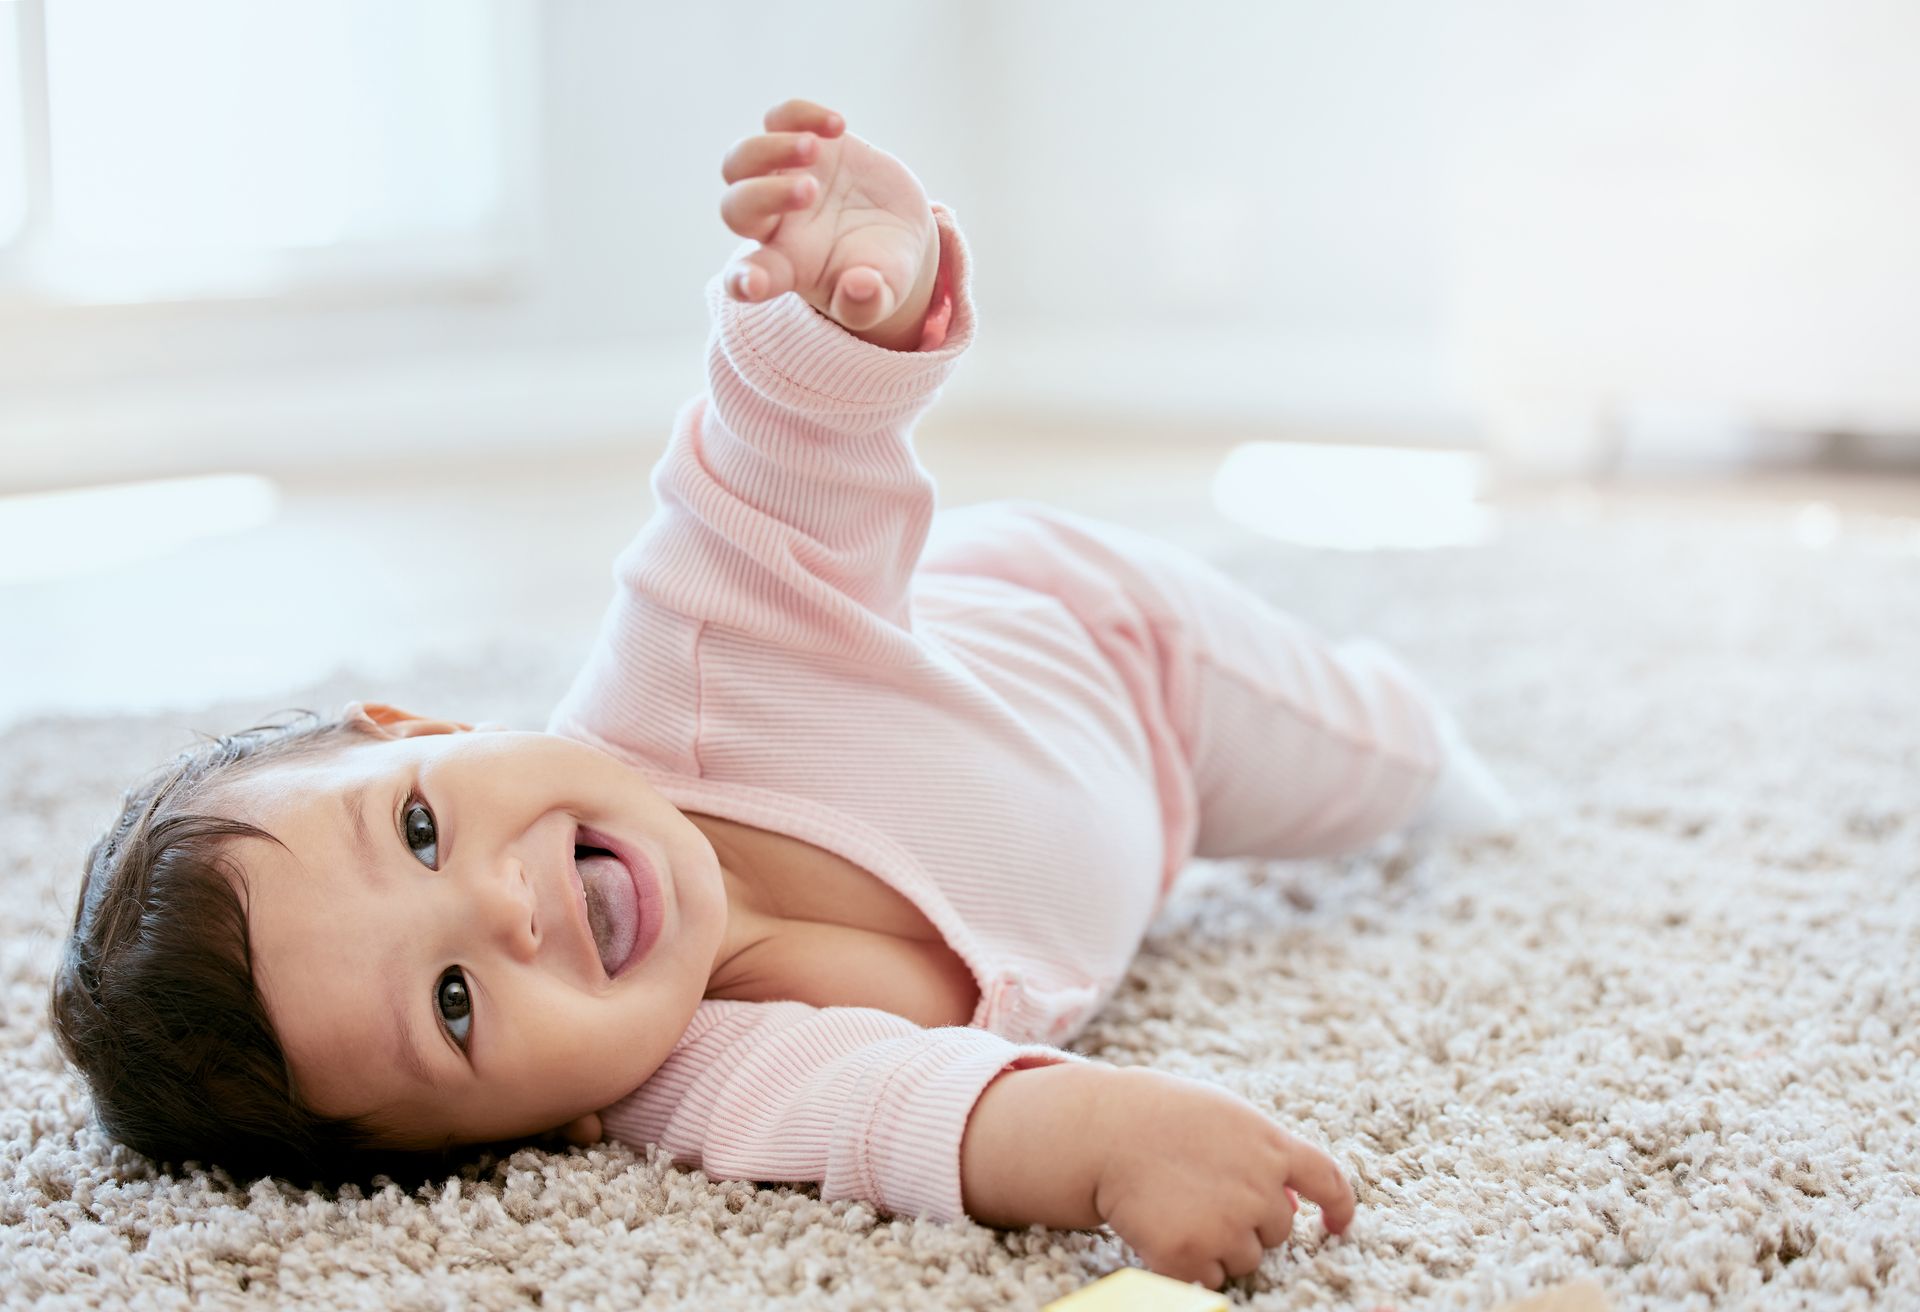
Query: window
point(13, 129)
point(209, 148)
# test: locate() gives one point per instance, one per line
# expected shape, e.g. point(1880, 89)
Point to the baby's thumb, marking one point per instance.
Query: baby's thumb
point(862, 298)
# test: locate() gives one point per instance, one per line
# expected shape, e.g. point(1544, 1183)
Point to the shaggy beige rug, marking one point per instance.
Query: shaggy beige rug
point(1663, 1035)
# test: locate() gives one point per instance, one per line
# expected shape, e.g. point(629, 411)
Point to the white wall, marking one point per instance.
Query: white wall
point(1679, 227)
point(1382, 218)
point(596, 338)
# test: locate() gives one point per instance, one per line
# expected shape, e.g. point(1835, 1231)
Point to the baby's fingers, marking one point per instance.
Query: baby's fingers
point(1319, 1178)
point(761, 276)
point(804, 116)
point(1277, 1224)
point(752, 156)
point(754, 207)
point(862, 299)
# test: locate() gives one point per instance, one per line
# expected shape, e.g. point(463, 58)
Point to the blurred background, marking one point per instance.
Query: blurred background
point(344, 332)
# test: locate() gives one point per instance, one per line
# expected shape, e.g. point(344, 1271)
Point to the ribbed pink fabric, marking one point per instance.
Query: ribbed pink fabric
point(1024, 721)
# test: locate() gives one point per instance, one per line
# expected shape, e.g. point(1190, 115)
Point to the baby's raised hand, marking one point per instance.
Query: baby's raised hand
point(839, 221)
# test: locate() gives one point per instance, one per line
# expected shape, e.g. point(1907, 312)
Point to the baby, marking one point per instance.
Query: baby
point(853, 815)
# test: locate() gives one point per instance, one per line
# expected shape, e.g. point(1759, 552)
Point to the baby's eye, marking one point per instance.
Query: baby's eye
point(455, 1004)
point(421, 830)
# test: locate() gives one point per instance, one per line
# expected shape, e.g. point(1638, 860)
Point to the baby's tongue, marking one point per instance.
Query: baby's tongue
point(612, 908)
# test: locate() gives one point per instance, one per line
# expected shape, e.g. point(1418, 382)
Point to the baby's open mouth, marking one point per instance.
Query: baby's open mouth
point(612, 905)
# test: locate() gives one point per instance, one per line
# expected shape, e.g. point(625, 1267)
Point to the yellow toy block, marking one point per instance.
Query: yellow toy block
point(1569, 1296)
point(1132, 1290)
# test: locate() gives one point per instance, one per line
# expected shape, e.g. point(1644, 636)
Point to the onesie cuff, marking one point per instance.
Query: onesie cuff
point(797, 357)
point(920, 1120)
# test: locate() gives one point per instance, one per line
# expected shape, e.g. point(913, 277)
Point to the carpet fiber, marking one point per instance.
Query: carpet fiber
point(1663, 1034)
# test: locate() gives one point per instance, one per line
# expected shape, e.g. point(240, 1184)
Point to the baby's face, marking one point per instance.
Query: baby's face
point(444, 973)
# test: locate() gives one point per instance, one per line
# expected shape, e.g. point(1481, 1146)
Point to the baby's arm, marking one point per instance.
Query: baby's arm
point(841, 223)
point(866, 1103)
point(1194, 1177)
point(958, 1121)
point(792, 510)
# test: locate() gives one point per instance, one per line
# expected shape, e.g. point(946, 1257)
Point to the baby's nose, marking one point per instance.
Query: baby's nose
point(503, 900)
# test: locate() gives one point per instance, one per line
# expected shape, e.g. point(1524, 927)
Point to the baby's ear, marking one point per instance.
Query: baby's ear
point(392, 722)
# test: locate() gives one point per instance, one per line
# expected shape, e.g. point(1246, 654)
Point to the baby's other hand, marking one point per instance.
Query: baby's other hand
point(841, 222)
point(1200, 1182)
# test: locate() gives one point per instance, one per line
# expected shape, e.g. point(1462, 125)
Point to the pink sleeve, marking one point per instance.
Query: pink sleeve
point(791, 505)
point(866, 1103)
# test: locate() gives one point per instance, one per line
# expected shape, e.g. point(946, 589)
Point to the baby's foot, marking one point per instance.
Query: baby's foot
point(1466, 799)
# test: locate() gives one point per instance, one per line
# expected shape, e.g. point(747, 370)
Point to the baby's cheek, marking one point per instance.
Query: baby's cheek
point(575, 1055)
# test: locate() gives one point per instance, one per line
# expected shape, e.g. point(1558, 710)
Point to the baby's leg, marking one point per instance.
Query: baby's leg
point(1268, 739)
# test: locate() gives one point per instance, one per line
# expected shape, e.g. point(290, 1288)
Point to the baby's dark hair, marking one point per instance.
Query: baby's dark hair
point(155, 1000)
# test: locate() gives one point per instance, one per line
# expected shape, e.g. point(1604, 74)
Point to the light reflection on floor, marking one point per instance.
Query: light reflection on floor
point(51, 535)
point(182, 592)
point(1355, 498)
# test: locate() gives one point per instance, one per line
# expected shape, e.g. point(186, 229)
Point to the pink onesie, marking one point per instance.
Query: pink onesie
point(1023, 720)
